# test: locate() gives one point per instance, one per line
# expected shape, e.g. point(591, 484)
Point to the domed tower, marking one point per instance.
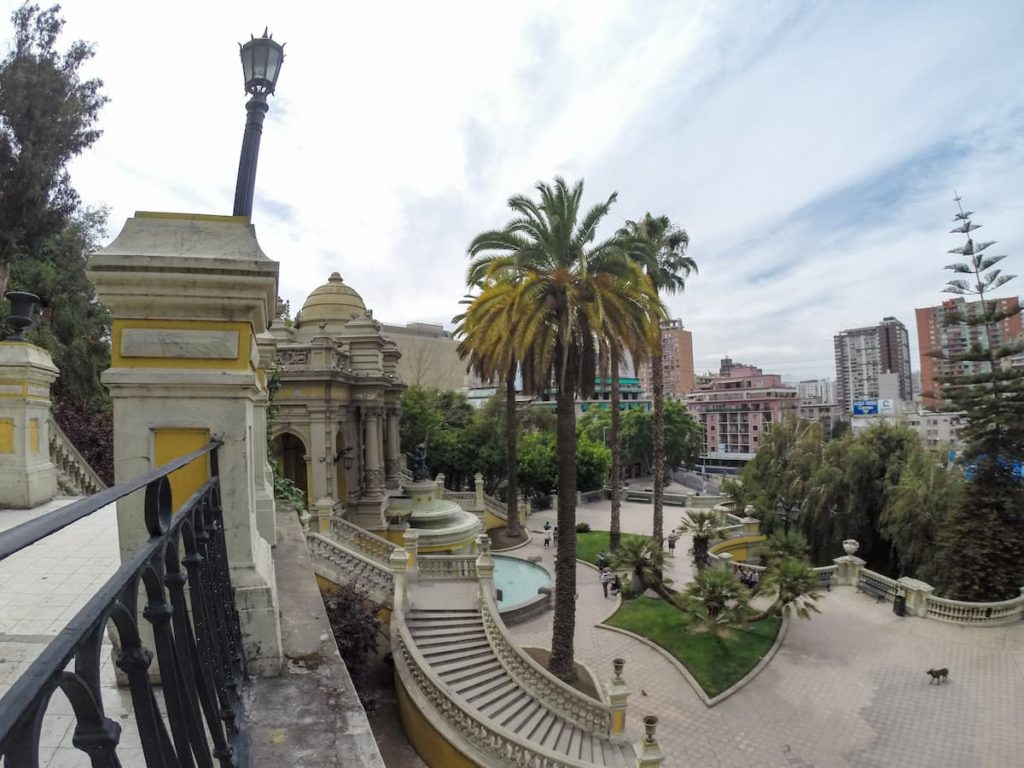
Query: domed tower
point(328, 309)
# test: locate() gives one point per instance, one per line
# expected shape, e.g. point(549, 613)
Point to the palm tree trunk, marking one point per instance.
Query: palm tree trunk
point(615, 534)
point(562, 662)
point(513, 528)
point(658, 465)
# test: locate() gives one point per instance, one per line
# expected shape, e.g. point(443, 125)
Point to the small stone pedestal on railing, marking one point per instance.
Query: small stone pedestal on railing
point(848, 567)
point(27, 476)
point(917, 593)
point(618, 694)
point(648, 753)
point(399, 563)
point(411, 542)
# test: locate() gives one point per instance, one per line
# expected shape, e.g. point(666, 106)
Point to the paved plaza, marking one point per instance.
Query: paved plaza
point(847, 688)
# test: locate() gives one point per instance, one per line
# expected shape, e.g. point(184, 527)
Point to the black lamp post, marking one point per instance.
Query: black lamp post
point(787, 511)
point(261, 64)
point(23, 307)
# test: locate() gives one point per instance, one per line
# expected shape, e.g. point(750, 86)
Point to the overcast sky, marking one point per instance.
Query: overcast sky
point(811, 150)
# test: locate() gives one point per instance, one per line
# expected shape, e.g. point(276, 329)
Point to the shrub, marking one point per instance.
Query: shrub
point(91, 430)
point(582, 527)
point(353, 615)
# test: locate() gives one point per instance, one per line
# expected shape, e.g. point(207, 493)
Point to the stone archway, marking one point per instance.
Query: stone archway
point(291, 453)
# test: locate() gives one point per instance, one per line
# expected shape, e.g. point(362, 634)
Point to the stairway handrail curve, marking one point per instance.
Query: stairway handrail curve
point(59, 441)
point(316, 540)
point(595, 717)
point(342, 528)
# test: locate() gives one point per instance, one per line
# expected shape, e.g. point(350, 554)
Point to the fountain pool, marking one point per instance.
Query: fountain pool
point(518, 580)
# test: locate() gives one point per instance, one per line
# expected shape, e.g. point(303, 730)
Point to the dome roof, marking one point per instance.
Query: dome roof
point(330, 307)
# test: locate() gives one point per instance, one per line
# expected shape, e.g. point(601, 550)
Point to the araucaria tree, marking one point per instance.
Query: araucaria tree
point(47, 117)
point(660, 247)
point(980, 552)
point(565, 296)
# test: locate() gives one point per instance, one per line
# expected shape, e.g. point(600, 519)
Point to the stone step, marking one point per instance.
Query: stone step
point(537, 727)
point(455, 650)
point(510, 704)
point(476, 683)
point(436, 641)
point(424, 624)
point(459, 673)
point(459, 660)
point(503, 691)
point(519, 716)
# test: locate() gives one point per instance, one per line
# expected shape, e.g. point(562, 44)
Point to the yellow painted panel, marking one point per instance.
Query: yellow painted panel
point(6, 435)
point(33, 435)
point(435, 750)
point(171, 444)
point(491, 520)
point(618, 721)
point(190, 216)
point(458, 545)
point(395, 537)
point(241, 362)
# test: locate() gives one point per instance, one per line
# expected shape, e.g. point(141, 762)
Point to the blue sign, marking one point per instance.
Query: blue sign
point(865, 407)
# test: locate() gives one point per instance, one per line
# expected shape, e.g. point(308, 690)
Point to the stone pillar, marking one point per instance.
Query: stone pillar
point(439, 482)
point(484, 565)
point(352, 438)
point(618, 694)
point(917, 595)
point(725, 561)
point(478, 484)
point(27, 476)
point(393, 460)
point(848, 567)
point(399, 562)
point(320, 491)
point(266, 509)
point(188, 295)
point(410, 540)
point(751, 525)
point(373, 476)
point(648, 753)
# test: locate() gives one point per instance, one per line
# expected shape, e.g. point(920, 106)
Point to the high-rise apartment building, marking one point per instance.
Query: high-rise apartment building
point(941, 331)
point(737, 409)
point(817, 390)
point(676, 360)
point(862, 354)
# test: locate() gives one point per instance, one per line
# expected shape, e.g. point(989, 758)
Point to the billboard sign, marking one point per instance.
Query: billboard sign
point(866, 407)
point(887, 406)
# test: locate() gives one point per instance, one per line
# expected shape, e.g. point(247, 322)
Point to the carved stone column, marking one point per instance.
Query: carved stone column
point(353, 438)
point(393, 460)
point(373, 474)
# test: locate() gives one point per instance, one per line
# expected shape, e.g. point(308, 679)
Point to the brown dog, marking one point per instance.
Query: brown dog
point(938, 675)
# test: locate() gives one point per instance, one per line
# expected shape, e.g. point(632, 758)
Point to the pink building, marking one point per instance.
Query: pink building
point(737, 409)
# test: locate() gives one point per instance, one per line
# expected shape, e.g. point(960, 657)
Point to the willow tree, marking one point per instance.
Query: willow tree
point(565, 295)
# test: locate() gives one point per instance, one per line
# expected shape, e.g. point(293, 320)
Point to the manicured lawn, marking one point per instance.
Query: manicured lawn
point(715, 662)
point(588, 545)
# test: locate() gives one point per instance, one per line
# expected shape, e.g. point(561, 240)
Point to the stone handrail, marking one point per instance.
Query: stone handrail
point(731, 532)
point(361, 540)
point(446, 566)
point(960, 612)
point(733, 519)
point(487, 742)
point(877, 584)
point(74, 475)
point(499, 509)
point(593, 716)
point(825, 575)
point(462, 498)
point(358, 568)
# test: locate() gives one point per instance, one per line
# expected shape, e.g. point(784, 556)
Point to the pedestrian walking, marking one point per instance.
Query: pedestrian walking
point(672, 539)
point(606, 579)
point(547, 533)
point(616, 586)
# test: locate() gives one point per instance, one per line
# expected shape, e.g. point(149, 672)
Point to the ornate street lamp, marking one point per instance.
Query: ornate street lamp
point(261, 64)
point(23, 309)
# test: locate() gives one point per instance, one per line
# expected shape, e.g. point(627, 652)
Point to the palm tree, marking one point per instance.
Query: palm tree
point(615, 528)
point(795, 586)
point(704, 526)
point(645, 562)
point(781, 545)
point(661, 248)
point(491, 355)
point(718, 600)
point(567, 295)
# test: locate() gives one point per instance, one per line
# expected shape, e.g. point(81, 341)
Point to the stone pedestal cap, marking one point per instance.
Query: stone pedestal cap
point(187, 266)
point(26, 362)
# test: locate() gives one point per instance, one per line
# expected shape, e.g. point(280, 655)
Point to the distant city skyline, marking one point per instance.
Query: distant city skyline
point(810, 150)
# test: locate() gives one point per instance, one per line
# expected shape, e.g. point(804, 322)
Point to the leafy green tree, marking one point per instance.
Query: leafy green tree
point(567, 296)
point(47, 117)
point(795, 586)
point(593, 461)
point(703, 525)
point(717, 600)
point(538, 464)
point(682, 437)
point(980, 546)
point(660, 247)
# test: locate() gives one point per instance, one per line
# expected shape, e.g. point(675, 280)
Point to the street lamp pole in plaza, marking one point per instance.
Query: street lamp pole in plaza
point(261, 64)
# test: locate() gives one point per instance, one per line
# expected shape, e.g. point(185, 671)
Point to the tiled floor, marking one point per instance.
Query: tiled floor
point(41, 589)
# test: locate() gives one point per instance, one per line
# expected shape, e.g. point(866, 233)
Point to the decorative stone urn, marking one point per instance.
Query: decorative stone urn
point(850, 546)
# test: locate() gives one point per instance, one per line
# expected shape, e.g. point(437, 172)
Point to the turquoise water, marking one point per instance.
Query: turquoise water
point(518, 580)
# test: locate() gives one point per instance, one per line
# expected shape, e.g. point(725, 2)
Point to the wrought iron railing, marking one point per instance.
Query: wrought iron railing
point(182, 572)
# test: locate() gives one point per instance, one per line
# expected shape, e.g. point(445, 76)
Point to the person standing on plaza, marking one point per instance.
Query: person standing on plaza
point(672, 539)
point(606, 578)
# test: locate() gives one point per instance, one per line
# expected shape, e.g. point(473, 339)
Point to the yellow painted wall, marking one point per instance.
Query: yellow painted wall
point(741, 548)
point(33, 435)
point(435, 750)
point(170, 444)
point(241, 362)
point(6, 435)
point(491, 520)
point(394, 536)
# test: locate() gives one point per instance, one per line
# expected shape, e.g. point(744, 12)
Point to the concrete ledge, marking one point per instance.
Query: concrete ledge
point(709, 701)
point(310, 715)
